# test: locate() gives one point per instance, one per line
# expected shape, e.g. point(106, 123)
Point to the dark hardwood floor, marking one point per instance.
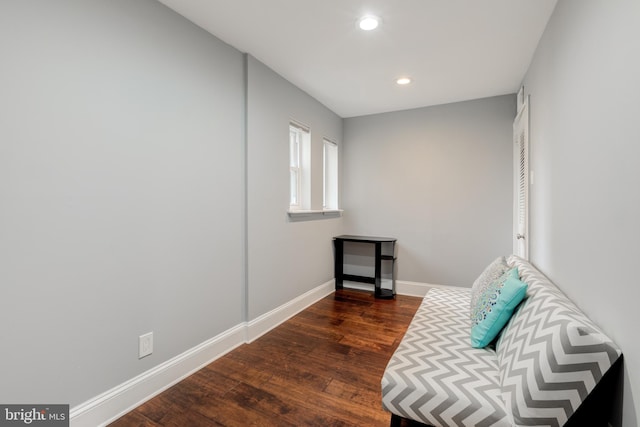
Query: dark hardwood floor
point(322, 367)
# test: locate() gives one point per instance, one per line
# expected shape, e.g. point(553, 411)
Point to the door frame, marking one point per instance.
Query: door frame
point(521, 177)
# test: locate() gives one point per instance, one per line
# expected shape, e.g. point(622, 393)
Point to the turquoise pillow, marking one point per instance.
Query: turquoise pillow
point(494, 306)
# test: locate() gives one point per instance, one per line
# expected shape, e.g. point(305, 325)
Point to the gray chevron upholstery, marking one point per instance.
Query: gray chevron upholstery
point(550, 354)
point(435, 376)
point(547, 360)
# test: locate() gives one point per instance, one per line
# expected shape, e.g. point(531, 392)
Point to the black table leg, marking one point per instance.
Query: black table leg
point(378, 274)
point(339, 263)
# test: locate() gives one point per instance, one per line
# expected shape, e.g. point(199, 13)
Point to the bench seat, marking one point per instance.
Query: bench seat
point(550, 366)
point(435, 376)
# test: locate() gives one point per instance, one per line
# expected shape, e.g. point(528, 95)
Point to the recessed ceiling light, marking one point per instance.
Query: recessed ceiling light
point(369, 22)
point(403, 80)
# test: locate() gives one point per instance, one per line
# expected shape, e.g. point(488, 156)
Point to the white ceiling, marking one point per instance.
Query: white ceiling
point(453, 49)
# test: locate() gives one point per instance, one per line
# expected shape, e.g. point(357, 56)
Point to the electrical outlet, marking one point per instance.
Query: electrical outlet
point(145, 345)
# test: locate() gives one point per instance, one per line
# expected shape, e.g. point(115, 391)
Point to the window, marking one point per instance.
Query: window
point(330, 182)
point(299, 167)
point(300, 171)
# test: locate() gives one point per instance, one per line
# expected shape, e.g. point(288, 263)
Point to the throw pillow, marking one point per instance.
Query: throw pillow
point(494, 306)
point(490, 274)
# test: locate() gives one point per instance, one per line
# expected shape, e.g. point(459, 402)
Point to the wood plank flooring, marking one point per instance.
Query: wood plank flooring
point(322, 367)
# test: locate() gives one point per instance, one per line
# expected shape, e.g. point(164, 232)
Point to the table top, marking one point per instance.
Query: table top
point(371, 239)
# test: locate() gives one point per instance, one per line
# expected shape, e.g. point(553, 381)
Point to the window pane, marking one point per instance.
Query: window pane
point(293, 189)
point(330, 187)
point(294, 149)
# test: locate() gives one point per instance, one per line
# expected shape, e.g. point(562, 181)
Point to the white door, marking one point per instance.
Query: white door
point(521, 181)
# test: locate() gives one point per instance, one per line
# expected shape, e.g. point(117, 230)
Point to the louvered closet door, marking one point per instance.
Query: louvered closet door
point(521, 184)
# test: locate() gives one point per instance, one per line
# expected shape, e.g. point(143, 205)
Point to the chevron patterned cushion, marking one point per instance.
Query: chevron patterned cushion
point(435, 376)
point(550, 354)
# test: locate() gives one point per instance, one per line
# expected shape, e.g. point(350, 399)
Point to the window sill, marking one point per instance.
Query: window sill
point(312, 215)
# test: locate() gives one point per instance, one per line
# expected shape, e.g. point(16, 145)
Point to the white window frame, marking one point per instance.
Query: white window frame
point(330, 175)
point(299, 167)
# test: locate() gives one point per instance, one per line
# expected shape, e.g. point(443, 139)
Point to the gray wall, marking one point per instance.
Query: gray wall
point(439, 179)
point(285, 259)
point(127, 206)
point(585, 202)
point(121, 193)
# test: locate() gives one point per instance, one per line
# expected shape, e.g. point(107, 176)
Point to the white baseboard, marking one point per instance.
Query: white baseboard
point(403, 287)
point(416, 289)
point(413, 289)
point(263, 324)
point(112, 404)
point(116, 402)
point(348, 284)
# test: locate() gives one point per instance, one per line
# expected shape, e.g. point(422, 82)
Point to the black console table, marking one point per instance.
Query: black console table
point(338, 242)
